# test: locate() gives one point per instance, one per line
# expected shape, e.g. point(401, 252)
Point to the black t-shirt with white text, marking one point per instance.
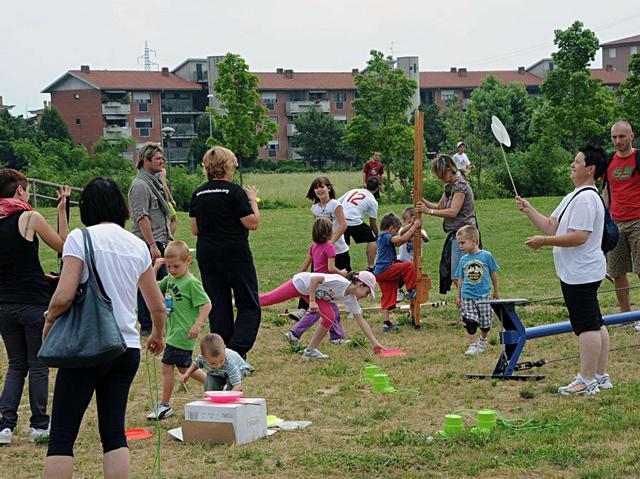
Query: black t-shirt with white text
point(217, 207)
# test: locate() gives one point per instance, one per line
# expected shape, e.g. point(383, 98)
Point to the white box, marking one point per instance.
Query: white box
point(242, 421)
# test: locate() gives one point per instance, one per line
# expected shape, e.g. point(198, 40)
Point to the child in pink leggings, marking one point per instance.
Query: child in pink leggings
point(323, 291)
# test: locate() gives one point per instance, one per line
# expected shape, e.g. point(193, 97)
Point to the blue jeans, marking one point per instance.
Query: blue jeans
point(456, 254)
point(21, 329)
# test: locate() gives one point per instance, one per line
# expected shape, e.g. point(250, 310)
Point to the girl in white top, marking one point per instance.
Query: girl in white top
point(324, 290)
point(575, 230)
point(325, 205)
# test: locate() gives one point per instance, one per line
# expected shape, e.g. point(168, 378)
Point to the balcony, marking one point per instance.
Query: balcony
point(116, 108)
point(116, 132)
point(182, 131)
point(294, 107)
point(291, 129)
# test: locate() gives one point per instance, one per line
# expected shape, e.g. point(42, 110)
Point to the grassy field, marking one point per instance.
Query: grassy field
point(357, 433)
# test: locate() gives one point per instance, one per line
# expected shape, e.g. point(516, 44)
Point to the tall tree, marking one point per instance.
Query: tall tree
point(14, 128)
point(53, 126)
point(630, 92)
point(243, 122)
point(319, 135)
point(199, 145)
point(434, 132)
point(579, 107)
point(381, 122)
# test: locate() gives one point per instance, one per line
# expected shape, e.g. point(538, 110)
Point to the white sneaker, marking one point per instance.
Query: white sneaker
point(473, 349)
point(313, 354)
point(161, 411)
point(399, 295)
point(580, 386)
point(292, 338)
point(36, 434)
point(6, 435)
point(481, 345)
point(604, 381)
point(297, 314)
point(637, 327)
point(340, 341)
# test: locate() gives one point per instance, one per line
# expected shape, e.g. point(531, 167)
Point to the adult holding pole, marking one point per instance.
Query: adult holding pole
point(24, 295)
point(622, 195)
point(575, 230)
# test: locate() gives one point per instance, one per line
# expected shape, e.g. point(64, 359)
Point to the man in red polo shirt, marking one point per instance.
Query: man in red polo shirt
point(623, 194)
point(373, 168)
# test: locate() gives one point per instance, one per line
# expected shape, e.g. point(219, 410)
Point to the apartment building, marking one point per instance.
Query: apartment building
point(5, 107)
point(616, 54)
point(132, 104)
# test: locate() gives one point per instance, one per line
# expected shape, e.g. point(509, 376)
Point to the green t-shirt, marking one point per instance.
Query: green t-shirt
point(187, 295)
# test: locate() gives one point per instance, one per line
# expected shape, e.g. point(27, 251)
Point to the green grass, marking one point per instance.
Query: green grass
point(356, 433)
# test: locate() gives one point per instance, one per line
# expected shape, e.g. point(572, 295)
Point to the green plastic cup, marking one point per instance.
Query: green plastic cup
point(369, 371)
point(486, 419)
point(380, 383)
point(453, 424)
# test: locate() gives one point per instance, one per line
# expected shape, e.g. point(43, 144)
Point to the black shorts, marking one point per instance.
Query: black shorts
point(343, 261)
point(360, 234)
point(582, 302)
point(176, 357)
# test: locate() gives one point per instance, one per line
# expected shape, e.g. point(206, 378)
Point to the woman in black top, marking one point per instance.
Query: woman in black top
point(24, 296)
point(222, 213)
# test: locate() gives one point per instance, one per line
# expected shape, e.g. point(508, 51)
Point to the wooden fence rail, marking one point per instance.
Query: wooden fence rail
point(35, 195)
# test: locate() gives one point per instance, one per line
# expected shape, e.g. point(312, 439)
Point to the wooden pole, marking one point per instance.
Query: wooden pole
point(418, 161)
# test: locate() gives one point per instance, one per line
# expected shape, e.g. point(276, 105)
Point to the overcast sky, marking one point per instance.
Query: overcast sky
point(43, 39)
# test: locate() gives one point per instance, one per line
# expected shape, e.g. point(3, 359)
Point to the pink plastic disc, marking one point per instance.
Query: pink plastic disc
point(224, 396)
point(385, 353)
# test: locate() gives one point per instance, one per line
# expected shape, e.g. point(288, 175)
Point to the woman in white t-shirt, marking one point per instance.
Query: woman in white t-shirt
point(124, 265)
point(575, 230)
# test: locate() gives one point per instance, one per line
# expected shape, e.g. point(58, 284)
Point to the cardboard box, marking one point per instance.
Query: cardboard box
point(238, 422)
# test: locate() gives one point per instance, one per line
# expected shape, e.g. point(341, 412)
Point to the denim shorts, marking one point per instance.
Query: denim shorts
point(176, 357)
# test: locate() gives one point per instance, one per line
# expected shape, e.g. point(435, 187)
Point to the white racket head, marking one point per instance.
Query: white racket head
point(499, 131)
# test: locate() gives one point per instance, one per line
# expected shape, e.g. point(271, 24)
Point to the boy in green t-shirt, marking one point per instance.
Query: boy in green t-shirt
point(188, 307)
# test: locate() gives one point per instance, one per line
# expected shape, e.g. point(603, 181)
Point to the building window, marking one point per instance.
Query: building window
point(447, 95)
point(341, 119)
point(612, 52)
point(633, 50)
point(143, 107)
point(270, 100)
point(298, 95)
point(144, 123)
point(272, 153)
point(272, 148)
point(76, 96)
point(78, 121)
point(199, 73)
point(274, 119)
point(144, 132)
point(466, 94)
point(339, 96)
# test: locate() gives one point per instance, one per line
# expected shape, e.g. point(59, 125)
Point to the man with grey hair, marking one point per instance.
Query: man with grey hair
point(150, 214)
point(622, 194)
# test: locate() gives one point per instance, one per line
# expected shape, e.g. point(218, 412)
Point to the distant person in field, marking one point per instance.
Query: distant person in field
point(222, 214)
point(622, 194)
point(358, 203)
point(462, 161)
point(325, 205)
point(457, 208)
point(575, 230)
point(373, 168)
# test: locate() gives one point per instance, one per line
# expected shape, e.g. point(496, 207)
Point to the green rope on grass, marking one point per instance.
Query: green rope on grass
point(515, 424)
point(156, 472)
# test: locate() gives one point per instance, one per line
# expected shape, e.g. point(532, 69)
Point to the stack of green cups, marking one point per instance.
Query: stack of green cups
point(486, 420)
point(370, 370)
point(381, 383)
point(452, 425)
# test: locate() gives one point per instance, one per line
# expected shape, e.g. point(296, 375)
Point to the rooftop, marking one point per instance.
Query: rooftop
point(623, 41)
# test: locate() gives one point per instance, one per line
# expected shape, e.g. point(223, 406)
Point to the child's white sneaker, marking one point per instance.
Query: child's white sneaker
point(6, 435)
point(297, 314)
point(637, 327)
point(340, 341)
point(604, 381)
point(473, 349)
point(481, 345)
point(580, 386)
point(313, 354)
point(399, 295)
point(161, 411)
point(292, 338)
point(36, 434)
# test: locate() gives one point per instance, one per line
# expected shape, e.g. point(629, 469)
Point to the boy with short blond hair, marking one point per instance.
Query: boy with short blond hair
point(188, 307)
point(475, 275)
point(218, 367)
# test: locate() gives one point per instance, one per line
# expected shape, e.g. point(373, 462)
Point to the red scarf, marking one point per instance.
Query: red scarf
point(9, 206)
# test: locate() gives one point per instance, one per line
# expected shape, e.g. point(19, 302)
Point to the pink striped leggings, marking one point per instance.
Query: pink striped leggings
point(328, 309)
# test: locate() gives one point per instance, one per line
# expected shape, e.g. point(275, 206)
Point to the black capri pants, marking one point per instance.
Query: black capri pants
point(73, 391)
point(582, 302)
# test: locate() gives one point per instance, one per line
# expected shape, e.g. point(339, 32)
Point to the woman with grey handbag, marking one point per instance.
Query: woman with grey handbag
point(123, 265)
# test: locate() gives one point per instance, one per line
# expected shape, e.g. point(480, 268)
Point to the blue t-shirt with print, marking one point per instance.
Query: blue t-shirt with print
point(386, 253)
point(475, 270)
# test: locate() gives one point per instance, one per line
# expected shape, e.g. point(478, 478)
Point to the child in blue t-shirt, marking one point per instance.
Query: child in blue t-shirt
point(475, 275)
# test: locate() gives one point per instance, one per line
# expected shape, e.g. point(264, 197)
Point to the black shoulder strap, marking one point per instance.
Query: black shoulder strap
point(577, 193)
